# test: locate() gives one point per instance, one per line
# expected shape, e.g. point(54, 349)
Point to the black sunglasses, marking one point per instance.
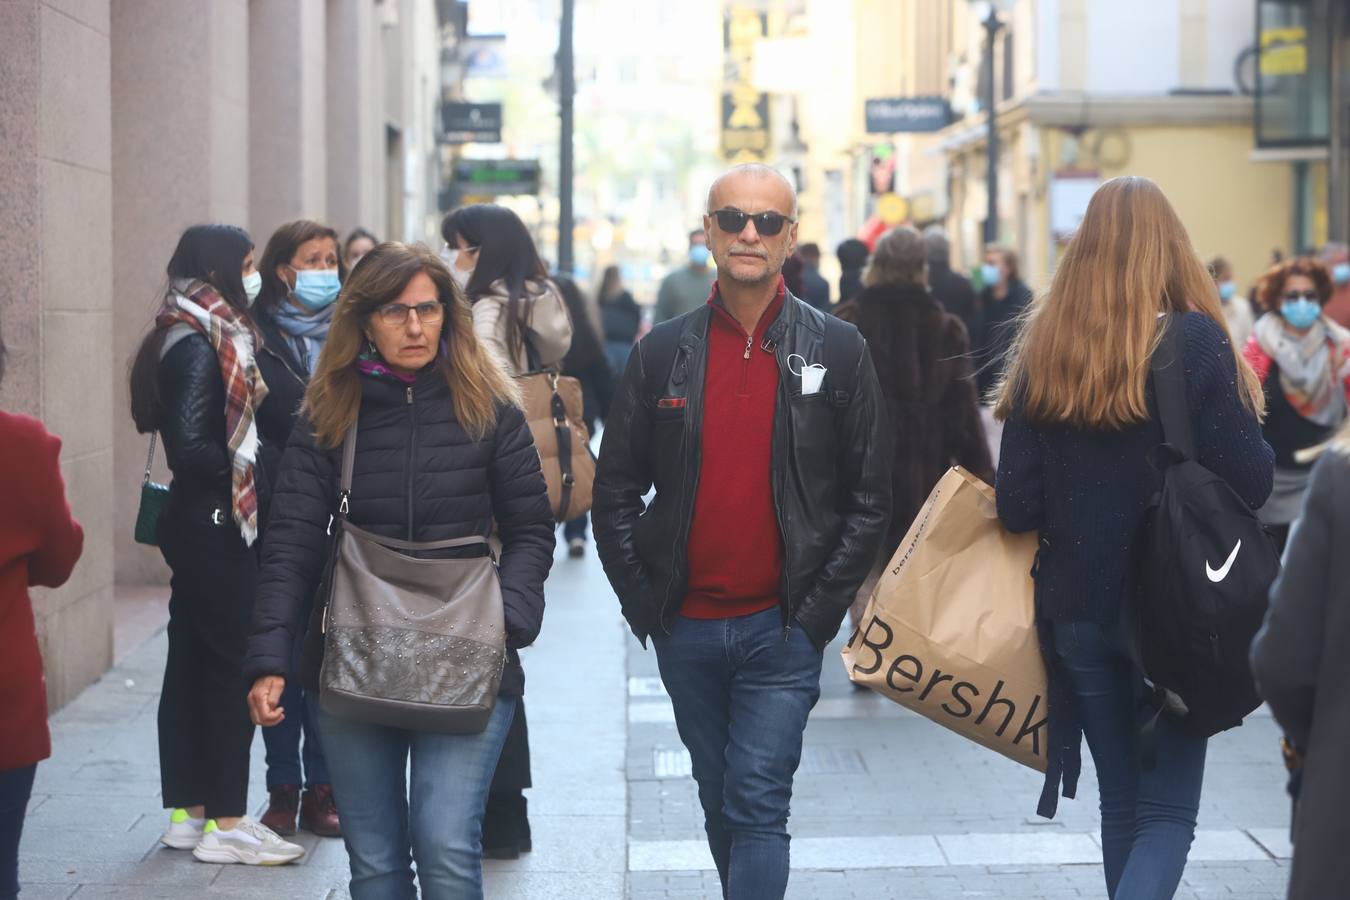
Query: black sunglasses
point(767, 224)
point(1293, 296)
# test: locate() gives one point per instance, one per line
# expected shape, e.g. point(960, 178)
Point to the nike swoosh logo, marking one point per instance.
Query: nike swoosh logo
point(1222, 572)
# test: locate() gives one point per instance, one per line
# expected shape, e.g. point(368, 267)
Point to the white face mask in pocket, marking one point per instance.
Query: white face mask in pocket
point(812, 376)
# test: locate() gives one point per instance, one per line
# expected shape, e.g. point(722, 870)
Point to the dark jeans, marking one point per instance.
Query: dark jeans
point(204, 726)
point(575, 528)
point(1148, 817)
point(742, 695)
point(16, 786)
point(436, 820)
point(283, 740)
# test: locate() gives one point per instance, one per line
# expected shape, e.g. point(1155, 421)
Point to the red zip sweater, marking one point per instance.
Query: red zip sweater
point(735, 546)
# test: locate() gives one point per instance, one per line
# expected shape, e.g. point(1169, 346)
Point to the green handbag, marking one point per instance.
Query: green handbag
point(152, 503)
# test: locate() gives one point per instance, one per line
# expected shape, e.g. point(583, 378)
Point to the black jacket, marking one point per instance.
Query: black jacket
point(1301, 668)
point(830, 471)
point(286, 382)
point(192, 429)
point(621, 319)
point(418, 476)
point(997, 329)
point(955, 293)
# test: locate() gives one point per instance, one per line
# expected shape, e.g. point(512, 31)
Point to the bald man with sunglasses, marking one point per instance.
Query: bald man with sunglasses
point(759, 421)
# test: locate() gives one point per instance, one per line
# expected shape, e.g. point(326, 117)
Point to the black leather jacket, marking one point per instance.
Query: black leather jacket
point(192, 428)
point(830, 471)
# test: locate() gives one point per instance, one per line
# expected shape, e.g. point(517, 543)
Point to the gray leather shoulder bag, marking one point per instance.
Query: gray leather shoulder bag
point(409, 642)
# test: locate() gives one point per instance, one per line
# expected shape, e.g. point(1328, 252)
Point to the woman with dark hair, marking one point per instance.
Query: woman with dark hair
point(1303, 361)
point(519, 314)
point(587, 363)
point(621, 318)
point(196, 384)
point(358, 244)
point(293, 318)
point(403, 369)
point(40, 542)
point(922, 357)
point(516, 310)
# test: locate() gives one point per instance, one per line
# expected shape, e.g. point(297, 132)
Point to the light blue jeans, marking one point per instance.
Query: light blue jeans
point(439, 822)
point(1148, 817)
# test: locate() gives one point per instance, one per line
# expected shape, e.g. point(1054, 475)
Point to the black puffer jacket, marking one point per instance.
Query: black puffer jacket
point(830, 472)
point(418, 476)
point(192, 428)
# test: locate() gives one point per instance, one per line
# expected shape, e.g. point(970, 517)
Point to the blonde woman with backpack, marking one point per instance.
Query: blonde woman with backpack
point(1079, 424)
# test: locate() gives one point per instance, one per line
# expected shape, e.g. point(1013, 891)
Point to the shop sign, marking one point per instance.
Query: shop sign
point(463, 123)
point(495, 177)
point(894, 115)
point(1284, 51)
point(745, 109)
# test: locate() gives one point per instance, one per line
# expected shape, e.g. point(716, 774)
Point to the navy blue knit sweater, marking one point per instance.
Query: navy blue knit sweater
point(1085, 491)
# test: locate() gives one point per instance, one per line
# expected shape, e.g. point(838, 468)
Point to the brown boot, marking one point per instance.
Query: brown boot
point(318, 811)
point(281, 809)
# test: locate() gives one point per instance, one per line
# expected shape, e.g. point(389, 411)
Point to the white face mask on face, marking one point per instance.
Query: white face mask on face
point(461, 277)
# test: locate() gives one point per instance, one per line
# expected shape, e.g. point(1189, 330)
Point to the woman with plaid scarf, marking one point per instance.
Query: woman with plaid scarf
point(196, 384)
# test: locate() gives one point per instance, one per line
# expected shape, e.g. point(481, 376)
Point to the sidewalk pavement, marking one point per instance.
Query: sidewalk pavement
point(886, 804)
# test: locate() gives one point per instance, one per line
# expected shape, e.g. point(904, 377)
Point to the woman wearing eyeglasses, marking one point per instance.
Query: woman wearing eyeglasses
point(1302, 359)
point(442, 452)
point(521, 316)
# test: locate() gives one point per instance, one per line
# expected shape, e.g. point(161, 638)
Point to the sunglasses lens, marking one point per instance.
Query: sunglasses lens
point(769, 224)
point(731, 221)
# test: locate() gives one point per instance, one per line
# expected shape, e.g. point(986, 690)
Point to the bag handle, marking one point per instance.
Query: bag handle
point(564, 435)
point(150, 458)
point(1167, 370)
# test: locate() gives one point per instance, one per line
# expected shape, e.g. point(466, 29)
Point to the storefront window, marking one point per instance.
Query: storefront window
point(1293, 85)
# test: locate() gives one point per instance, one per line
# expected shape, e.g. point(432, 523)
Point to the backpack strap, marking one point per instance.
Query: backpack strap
point(658, 351)
point(843, 351)
point(1167, 371)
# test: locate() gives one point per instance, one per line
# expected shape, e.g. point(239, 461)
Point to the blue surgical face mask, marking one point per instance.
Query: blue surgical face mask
point(699, 255)
point(252, 286)
point(1301, 313)
point(1340, 273)
point(989, 273)
point(1227, 289)
point(316, 288)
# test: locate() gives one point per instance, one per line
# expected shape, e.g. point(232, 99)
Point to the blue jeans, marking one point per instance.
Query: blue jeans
point(742, 695)
point(1148, 817)
point(438, 820)
point(284, 750)
point(16, 786)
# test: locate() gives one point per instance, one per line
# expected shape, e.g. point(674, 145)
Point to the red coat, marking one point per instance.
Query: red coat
point(39, 544)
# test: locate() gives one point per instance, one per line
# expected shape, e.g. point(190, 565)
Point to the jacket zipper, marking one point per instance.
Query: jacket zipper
point(785, 408)
point(412, 445)
point(287, 366)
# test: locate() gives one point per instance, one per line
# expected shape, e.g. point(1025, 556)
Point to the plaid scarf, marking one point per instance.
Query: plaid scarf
point(199, 306)
point(1313, 366)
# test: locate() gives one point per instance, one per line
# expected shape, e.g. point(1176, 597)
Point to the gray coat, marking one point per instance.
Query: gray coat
point(1302, 669)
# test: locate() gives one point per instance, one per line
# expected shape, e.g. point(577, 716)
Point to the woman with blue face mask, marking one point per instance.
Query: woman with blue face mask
point(302, 274)
point(1237, 311)
point(1303, 360)
point(1001, 302)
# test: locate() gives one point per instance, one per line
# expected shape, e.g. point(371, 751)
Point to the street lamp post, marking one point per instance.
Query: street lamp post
point(992, 24)
point(566, 90)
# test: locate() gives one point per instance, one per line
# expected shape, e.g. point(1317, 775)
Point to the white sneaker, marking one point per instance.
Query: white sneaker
point(184, 832)
point(249, 842)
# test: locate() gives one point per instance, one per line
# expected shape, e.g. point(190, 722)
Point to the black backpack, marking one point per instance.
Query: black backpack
point(1204, 573)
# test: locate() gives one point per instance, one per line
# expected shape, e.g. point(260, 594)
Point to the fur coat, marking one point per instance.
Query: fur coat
point(922, 357)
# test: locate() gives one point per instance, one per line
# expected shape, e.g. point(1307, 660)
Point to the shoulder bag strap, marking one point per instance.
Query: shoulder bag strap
point(1167, 369)
point(348, 463)
point(564, 433)
point(150, 457)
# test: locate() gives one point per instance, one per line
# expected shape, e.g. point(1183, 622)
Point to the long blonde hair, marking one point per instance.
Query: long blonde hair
point(1081, 357)
point(478, 383)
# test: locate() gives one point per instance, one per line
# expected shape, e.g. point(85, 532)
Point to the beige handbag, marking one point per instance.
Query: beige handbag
point(410, 641)
point(950, 631)
point(553, 410)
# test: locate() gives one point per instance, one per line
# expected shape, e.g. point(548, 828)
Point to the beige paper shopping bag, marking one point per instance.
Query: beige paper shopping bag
point(950, 630)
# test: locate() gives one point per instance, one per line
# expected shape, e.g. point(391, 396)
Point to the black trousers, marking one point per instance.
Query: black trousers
point(204, 725)
point(513, 767)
